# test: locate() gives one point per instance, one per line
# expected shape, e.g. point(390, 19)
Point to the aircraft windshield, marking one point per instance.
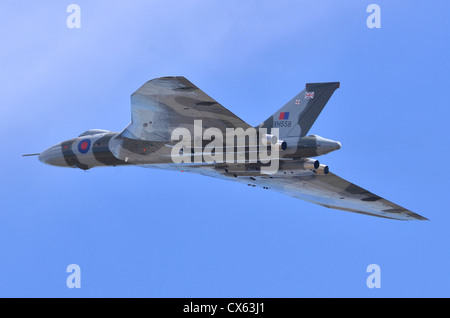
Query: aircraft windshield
point(91, 132)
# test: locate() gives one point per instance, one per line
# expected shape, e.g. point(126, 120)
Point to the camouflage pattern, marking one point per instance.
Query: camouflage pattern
point(164, 104)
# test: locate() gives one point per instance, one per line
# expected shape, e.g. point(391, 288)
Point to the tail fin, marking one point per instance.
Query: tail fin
point(296, 117)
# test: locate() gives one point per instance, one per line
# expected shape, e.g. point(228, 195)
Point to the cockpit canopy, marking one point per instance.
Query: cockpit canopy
point(91, 132)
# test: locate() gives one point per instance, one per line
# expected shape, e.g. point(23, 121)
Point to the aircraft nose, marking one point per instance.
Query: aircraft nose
point(53, 156)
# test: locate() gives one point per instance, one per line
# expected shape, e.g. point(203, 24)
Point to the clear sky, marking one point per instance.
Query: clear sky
point(151, 233)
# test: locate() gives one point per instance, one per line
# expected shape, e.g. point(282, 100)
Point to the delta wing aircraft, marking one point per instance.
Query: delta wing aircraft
point(168, 104)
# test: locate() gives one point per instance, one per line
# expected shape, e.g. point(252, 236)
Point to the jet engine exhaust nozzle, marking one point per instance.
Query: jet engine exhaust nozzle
point(322, 170)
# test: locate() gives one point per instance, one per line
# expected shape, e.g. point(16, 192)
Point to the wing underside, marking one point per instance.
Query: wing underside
point(328, 190)
point(334, 192)
point(164, 104)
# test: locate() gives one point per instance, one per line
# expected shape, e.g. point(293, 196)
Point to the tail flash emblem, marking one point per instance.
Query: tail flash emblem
point(284, 116)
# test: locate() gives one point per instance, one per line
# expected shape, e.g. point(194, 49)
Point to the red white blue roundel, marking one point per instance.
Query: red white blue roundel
point(84, 146)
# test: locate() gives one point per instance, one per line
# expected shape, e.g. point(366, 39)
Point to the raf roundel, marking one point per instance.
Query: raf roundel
point(84, 146)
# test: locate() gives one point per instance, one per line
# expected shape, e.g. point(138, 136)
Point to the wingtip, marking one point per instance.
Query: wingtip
point(418, 217)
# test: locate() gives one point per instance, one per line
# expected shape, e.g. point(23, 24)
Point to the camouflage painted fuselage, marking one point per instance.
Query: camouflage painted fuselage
point(113, 149)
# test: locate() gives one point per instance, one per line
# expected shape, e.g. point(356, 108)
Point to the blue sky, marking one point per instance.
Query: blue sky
point(147, 233)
